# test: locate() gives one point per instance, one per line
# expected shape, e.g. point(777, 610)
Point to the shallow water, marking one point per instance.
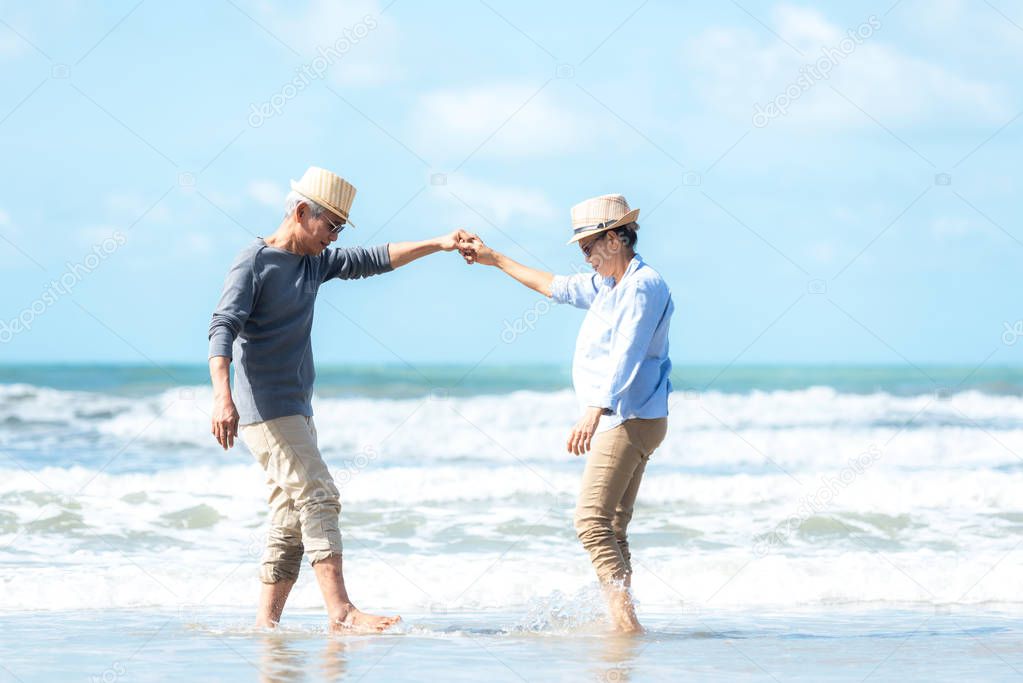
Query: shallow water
point(838, 644)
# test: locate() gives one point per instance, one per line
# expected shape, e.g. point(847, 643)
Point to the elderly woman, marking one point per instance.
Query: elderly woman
point(621, 376)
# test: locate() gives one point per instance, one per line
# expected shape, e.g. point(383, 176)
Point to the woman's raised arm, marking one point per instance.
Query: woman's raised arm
point(474, 250)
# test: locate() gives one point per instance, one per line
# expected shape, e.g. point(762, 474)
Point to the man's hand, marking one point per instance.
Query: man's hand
point(473, 250)
point(225, 421)
point(454, 240)
point(581, 435)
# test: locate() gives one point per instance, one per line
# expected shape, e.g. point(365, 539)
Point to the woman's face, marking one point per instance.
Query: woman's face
point(602, 252)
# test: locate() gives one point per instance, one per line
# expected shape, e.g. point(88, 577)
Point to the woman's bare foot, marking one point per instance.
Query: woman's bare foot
point(623, 610)
point(357, 621)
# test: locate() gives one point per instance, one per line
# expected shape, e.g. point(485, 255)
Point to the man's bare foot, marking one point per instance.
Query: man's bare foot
point(357, 621)
point(623, 610)
point(266, 623)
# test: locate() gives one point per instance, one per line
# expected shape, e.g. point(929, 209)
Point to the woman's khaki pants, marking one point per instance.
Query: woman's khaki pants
point(614, 469)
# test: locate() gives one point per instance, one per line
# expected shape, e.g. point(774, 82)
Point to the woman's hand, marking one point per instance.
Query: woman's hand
point(473, 250)
point(581, 435)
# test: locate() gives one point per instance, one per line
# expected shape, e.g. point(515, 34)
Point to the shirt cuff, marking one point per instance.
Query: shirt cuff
point(559, 289)
point(384, 257)
point(221, 345)
point(600, 400)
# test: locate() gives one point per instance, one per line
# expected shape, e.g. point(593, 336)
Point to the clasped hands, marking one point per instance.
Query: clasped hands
point(470, 247)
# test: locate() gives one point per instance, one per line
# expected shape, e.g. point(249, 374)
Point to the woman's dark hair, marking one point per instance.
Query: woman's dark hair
point(627, 233)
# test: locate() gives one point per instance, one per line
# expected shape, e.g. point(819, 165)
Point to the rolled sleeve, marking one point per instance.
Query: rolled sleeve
point(579, 290)
point(221, 339)
point(352, 263)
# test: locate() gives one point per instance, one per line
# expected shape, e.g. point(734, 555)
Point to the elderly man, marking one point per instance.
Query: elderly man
point(264, 320)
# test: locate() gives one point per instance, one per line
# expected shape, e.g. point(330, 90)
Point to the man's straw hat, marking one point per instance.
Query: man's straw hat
point(328, 190)
point(601, 213)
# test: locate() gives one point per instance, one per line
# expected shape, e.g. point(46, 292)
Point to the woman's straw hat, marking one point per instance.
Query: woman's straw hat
point(328, 190)
point(601, 213)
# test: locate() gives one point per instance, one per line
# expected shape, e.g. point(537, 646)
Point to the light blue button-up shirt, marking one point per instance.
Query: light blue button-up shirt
point(621, 355)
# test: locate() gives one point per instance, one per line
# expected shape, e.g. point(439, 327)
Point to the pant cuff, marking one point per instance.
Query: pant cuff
point(319, 555)
point(274, 573)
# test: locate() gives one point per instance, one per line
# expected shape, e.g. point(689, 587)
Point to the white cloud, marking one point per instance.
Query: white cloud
point(735, 68)
point(951, 227)
point(822, 252)
point(97, 236)
point(11, 45)
point(225, 202)
point(267, 192)
point(15, 243)
point(946, 22)
point(197, 243)
point(357, 42)
point(523, 121)
point(475, 202)
point(958, 227)
point(128, 206)
point(10, 230)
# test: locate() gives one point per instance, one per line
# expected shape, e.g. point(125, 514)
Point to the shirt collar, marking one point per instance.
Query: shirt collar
point(633, 266)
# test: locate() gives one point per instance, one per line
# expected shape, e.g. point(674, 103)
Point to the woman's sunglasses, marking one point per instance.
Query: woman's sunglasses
point(589, 247)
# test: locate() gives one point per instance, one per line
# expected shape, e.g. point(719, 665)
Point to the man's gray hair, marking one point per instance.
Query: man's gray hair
point(294, 198)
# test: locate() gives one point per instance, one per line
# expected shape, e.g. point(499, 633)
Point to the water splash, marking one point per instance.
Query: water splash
point(561, 613)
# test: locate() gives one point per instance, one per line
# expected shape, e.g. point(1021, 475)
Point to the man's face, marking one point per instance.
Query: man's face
point(320, 231)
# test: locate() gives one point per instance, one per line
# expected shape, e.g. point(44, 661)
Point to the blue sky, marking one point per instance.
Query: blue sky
point(876, 221)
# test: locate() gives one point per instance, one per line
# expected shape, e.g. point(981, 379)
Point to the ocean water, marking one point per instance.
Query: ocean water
point(797, 524)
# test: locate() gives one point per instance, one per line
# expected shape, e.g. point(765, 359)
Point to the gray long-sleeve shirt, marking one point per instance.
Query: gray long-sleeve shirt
point(265, 317)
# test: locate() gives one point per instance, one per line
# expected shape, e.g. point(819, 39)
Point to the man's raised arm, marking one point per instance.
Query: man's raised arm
point(402, 253)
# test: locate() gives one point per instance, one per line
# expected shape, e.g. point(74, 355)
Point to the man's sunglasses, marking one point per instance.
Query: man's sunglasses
point(336, 228)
